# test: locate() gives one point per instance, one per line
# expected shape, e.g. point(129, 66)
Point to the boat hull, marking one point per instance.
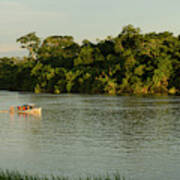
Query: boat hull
point(34, 111)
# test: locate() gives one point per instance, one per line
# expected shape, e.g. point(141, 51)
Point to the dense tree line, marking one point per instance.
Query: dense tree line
point(132, 62)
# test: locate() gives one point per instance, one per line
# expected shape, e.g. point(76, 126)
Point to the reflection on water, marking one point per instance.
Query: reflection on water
point(91, 135)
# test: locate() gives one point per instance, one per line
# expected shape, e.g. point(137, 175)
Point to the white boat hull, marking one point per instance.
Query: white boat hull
point(34, 111)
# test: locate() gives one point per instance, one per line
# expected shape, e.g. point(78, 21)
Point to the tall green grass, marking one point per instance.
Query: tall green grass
point(15, 175)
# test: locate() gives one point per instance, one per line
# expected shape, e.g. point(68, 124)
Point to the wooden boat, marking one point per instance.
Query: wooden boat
point(33, 111)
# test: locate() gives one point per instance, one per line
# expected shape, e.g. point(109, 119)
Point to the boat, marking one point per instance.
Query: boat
point(32, 109)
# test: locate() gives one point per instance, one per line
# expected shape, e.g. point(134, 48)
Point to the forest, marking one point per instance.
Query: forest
point(130, 63)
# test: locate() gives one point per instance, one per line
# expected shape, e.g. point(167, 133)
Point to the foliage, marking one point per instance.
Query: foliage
point(16, 175)
point(30, 42)
point(131, 62)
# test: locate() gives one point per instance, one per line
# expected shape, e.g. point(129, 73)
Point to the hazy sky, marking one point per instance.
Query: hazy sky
point(83, 19)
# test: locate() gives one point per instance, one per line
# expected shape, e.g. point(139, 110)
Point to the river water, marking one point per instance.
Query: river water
point(92, 135)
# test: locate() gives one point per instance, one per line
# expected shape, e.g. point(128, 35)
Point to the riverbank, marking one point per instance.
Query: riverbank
point(94, 94)
point(15, 175)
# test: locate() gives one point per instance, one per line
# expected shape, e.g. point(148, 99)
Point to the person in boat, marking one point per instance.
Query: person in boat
point(24, 107)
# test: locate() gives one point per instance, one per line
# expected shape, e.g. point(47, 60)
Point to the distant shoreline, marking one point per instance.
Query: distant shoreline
point(123, 94)
point(131, 63)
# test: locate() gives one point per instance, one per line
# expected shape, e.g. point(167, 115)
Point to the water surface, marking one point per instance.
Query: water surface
point(80, 135)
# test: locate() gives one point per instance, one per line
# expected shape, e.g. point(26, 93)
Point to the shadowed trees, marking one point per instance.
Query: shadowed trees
point(131, 62)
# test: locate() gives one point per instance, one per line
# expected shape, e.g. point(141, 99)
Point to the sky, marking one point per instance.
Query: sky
point(82, 19)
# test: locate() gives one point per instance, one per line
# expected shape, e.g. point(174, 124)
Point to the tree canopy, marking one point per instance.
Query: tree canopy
point(131, 62)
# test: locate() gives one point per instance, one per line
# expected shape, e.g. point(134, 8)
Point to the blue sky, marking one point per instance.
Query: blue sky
point(83, 19)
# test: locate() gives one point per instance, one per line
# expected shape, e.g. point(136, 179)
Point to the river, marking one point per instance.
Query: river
point(92, 135)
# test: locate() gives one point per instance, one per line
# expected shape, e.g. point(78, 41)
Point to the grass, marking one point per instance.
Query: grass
point(15, 175)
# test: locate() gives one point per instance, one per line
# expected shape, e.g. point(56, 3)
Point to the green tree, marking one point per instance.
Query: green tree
point(31, 42)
